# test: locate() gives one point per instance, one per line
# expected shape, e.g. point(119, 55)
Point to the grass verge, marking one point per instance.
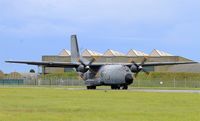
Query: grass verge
point(53, 104)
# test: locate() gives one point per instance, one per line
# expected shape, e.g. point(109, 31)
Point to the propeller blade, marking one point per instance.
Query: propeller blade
point(146, 72)
point(92, 61)
point(144, 60)
point(136, 75)
point(135, 63)
point(81, 61)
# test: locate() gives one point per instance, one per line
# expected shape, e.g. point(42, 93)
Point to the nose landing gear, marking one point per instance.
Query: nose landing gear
point(125, 87)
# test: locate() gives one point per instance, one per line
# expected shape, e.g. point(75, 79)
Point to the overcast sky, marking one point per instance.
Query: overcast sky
point(32, 28)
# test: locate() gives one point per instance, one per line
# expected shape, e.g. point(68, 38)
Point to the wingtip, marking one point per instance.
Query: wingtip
point(9, 61)
point(192, 62)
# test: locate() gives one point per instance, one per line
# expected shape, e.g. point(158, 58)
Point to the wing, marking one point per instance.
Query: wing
point(94, 65)
point(47, 64)
point(162, 63)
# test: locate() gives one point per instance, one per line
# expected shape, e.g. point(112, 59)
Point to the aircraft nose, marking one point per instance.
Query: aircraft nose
point(129, 79)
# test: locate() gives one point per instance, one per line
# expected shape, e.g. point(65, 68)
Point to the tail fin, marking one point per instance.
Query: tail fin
point(75, 55)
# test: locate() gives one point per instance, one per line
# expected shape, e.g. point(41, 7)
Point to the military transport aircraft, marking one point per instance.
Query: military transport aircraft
point(117, 76)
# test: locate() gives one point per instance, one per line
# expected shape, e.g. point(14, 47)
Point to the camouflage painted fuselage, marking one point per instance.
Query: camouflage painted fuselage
point(109, 75)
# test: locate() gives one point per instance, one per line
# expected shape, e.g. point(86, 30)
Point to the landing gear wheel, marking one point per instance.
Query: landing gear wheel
point(91, 87)
point(112, 87)
point(115, 87)
point(125, 87)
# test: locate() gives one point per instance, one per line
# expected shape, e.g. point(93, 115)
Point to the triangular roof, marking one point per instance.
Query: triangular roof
point(87, 52)
point(136, 53)
point(156, 52)
point(113, 53)
point(65, 52)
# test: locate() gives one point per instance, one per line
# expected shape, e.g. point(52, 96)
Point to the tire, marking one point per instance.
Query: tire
point(112, 87)
point(91, 87)
point(115, 87)
point(125, 87)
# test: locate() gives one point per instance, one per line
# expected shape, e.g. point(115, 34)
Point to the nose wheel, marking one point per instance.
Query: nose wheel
point(125, 87)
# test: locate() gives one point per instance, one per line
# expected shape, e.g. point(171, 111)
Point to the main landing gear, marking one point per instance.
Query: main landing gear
point(91, 87)
point(117, 87)
point(113, 87)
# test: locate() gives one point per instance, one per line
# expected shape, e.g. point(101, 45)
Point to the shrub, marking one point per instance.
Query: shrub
point(66, 75)
point(14, 75)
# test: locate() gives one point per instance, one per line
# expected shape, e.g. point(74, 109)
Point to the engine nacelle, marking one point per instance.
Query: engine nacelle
point(134, 69)
point(82, 69)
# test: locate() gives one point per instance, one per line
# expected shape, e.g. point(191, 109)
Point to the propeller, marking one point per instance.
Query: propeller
point(85, 67)
point(139, 67)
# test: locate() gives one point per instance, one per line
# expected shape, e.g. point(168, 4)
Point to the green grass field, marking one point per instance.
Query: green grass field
point(59, 104)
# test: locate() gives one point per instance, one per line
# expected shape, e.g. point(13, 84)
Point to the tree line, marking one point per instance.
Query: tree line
point(12, 75)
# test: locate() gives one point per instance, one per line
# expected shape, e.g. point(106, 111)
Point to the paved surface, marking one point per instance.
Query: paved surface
point(166, 91)
point(147, 90)
point(108, 89)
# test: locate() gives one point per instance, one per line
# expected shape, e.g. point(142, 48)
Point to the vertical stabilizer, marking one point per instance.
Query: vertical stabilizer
point(75, 55)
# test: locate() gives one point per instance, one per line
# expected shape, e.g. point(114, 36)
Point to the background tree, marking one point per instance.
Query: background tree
point(1, 74)
point(15, 75)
